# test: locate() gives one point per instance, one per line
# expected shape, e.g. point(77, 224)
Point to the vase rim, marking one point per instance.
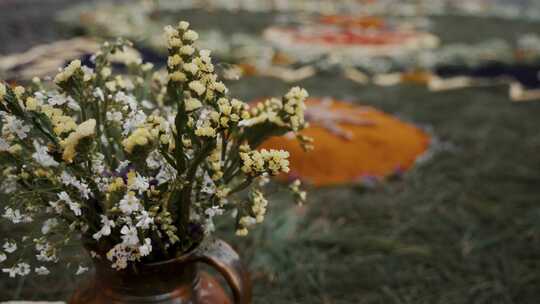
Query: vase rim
point(184, 257)
point(181, 258)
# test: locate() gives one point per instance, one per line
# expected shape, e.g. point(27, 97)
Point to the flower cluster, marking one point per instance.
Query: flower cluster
point(135, 164)
point(287, 113)
point(264, 161)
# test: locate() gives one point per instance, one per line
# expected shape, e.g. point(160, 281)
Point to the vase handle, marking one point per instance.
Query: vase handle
point(222, 257)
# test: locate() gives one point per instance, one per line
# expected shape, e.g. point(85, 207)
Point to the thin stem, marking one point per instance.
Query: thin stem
point(185, 206)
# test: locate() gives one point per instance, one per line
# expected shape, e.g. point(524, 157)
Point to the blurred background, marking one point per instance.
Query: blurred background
point(424, 184)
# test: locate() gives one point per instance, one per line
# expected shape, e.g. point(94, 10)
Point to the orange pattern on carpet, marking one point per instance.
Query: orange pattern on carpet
point(378, 149)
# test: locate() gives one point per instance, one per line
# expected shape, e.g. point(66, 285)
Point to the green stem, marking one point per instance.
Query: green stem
point(185, 198)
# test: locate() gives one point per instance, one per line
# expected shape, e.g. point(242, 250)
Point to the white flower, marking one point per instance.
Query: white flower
point(24, 269)
point(146, 249)
point(144, 220)
point(129, 235)
point(106, 227)
point(20, 269)
point(15, 216)
point(46, 252)
point(69, 180)
point(114, 116)
point(42, 156)
point(56, 207)
point(170, 31)
point(16, 126)
point(129, 203)
point(98, 93)
point(4, 146)
point(48, 225)
point(13, 271)
point(138, 183)
point(3, 257)
point(56, 99)
point(72, 104)
point(205, 53)
point(74, 206)
point(123, 165)
point(134, 121)
point(88, 73)
point(213, 211)
point(81, 270)
point(10, 247)
point(154, 160)
point(128, 100)
point(166, 173)
point(42, 270)
point(98, 165)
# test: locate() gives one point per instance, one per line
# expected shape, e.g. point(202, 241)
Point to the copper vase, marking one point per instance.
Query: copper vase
point(177, 281)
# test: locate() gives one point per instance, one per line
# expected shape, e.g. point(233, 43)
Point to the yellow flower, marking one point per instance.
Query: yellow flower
point(174, 42)
point(131, 176)
point(183, 25)
point(68, 72)
point(3, 91)
point(192, 104)
point(19, 91)
point(117, 184)
point(265, 161)
point(106, 72)
point(223, 192)
point(190, 35)
point(205, 131)
point(86, 129)
point(111, 85)
point(197, 87)
point(187, 50)
point(174, 61)
point(31, 104)
point(140, 137)
point(190, 67)
point(242, 232)
point(15, 149)
point(178, 76)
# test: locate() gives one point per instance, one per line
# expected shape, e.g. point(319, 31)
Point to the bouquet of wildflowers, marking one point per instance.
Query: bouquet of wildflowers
point(135, 163)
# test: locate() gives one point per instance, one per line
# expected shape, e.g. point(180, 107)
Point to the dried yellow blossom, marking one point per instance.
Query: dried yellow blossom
point(116, 185)
point(187, 50)
point(68, 72)
point(140, 137)
point(205, 131)
point(190, 35)
point(197, 87)
point(19, 91)
point(192, 104)
point(3, 91)
point(31, 104)
point(178, 76)
point(86, 129)
point(174, 61)
point(265, 161)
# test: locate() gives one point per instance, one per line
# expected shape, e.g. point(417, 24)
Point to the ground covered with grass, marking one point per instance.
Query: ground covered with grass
point(462, 227)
